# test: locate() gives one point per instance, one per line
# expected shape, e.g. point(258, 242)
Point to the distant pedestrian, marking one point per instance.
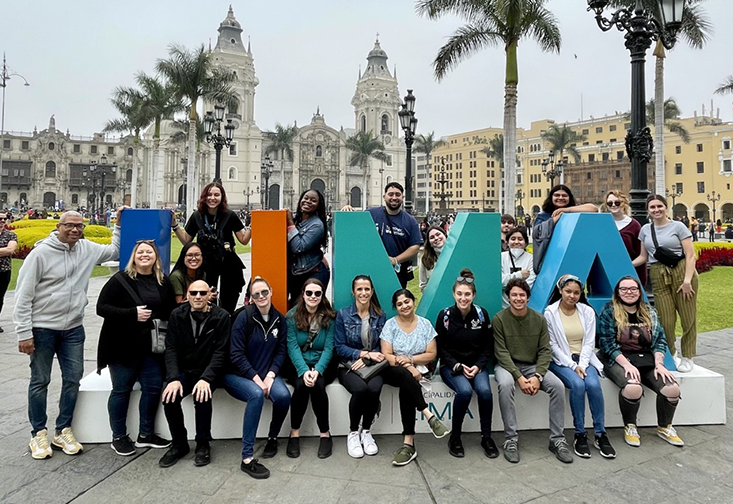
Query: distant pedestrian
point(8, 244)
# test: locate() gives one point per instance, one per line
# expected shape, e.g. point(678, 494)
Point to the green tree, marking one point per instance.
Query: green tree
point(671, 112)
point(563, 138)
point(427, 144)
point(365, 146)
point(281, 143)
point(495, 23)
point(726, 87)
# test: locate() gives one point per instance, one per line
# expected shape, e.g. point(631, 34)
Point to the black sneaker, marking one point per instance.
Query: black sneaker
point(604, 446)
point(203, 454)
point(293, 448)
point(270, 448)
point(152, 441)
point(325, 447)
point(580, 445)
point(561, 450)
point(123, 446)
point(173, 455)
point(489, 447)
point(255, 469)
point(455, 447)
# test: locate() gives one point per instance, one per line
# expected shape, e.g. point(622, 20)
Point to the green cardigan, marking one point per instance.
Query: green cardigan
point(318, 355)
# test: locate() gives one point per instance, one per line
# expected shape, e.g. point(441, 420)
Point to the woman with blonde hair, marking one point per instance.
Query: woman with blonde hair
point(617, 204)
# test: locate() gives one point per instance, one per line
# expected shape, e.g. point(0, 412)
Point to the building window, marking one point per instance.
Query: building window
point(110, 150)
point(613, 140)
point(128, 176)
point(77, 149)
point(612, 127)
point(599, 129)
point(700, 187)
point(93, 149)
point(585, 132)
point(130, 151)
point(599, 142)
point(679, 188)
point(589, 176)
point(726, 144)
point(617, 174)
point(6, 144)
point(591, 158)
point(74, 199)
point(24, 145)
point(726, 165)
point(678, 149)
point(389, 159)
point(51, 146)
point(233, 149)
point(627, 126)
point(620, 154)
point(319, 151)
point(606, 156)
point(50, 169)
point(678, 169)
point(363, 123)
point(385, 124)
point(700, 167)
point(699, 147)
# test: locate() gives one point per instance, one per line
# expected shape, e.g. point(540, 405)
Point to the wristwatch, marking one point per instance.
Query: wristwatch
point(539, 377)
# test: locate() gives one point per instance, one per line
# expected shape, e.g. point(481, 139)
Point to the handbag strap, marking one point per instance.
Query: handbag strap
point(654, 237)
point(130, 290)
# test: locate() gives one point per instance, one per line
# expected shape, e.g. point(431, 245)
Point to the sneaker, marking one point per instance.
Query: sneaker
point(511, 451)
point(123, 446)
point(40, 449)
point(202, 455)
point(562, 451)
point(255, 469)
point(604, 446)
point(293, 449)
point(270, 448)
point(368, 443)
point(152, 441)
point(631, 435)
point(489, 447)
point(455, 447)
point(353, 445)
point(670, 435)
point(438, 428)
point(685, 365)
point(404, 455)
point(580, 445)
point(325, 447)
point(173, 455)
point(66, 442)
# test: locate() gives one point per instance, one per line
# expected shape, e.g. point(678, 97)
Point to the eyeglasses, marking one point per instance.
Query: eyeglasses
point(628, 290)
point(310, 293)
point(195, 293)
point(193, 256)
point(467, 280)
point(613, 203)
point(69, 226)
point(262, 294)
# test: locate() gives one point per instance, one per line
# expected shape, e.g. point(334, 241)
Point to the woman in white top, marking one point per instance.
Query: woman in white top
point(516, 262)
point(572, 327)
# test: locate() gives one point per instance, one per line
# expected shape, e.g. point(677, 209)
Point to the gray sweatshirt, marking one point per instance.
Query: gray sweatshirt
point(52, 283)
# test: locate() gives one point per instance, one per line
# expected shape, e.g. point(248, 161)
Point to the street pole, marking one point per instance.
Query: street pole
point(408, 121)
point(5, 76)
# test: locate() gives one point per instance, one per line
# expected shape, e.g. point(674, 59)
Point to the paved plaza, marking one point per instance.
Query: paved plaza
point(655, 473)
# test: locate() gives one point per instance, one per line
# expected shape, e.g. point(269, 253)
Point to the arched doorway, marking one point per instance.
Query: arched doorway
point(702, 212)
point(726, 212)
point(355, 197)
point(319, 185)
point(679, 210)
point(274, 199)
point(535, 210)
point(181, 194)
point(49, 199)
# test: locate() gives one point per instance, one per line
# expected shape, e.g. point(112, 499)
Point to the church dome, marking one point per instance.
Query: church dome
point(230, 20)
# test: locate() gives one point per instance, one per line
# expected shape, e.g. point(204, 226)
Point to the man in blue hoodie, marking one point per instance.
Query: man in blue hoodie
point(50, 298)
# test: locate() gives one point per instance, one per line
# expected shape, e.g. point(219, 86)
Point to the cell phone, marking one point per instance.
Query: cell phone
point(514, 270)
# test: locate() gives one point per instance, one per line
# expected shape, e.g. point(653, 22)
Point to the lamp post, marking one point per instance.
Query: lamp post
point(641, 28)
point(266, 169)
point(291, 192)
point(215, 138)
point(442, 195)
point(674, 195)
point(520, 197)
point(408, 121)
point(99, 171)
point(714, 199)
point(184, 164)
point(248, 193)
point(555, 170)
point(5, 76)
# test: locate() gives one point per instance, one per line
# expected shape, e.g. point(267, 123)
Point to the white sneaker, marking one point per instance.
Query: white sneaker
point(676, 358)
point(40, 449)
point(685, 365)
point(353, 445)
point(370, 446)
point(66, 441)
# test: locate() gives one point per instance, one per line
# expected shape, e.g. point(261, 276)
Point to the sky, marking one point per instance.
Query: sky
point(307, 55)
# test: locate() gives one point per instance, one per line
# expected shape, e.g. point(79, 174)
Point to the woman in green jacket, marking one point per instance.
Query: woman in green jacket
point(310, 347)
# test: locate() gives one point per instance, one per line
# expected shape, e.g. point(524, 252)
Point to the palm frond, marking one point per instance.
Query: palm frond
point(465, 41)
point(726, 87)
point(679, 129)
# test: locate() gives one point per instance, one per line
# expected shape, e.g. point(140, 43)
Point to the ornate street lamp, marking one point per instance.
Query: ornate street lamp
point(266, 169)
point(641, 28)
point(5, 76)
point(408, 121)
point(248, 193)
point(520, 197)
point(714, 199)
point(555, 170)
point(442, 195)
point(674, 195)
point(218, 140)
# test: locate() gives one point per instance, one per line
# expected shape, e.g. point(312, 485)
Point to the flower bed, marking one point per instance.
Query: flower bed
point(714, 256)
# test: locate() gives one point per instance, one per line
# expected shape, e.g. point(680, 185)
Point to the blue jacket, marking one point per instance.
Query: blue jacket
point(258, 347)
point(304, 240)
point(347, 334)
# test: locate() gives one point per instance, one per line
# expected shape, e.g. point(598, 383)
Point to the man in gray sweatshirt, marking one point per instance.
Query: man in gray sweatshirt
point(50, 298)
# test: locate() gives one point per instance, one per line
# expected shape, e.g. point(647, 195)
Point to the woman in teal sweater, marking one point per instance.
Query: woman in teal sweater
point(310, 347)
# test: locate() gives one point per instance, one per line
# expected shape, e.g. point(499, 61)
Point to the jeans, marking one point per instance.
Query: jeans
point(248, 391)
point(411, 397)
point(364, 402)
point(149, 372)
point(68, 346)
point(551, 385)
point(578, 388)
point(174, 413)
point(464, 388)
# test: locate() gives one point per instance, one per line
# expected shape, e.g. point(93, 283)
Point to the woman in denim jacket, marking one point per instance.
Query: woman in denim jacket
point(356, 338)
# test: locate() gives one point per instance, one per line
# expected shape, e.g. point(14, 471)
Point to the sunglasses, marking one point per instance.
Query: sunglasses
point(613, 203)
point(148, 241)
point(3, 219)
point(262, 294)
point(464, 279)
point(310, 293)
point(69, 226)
point(195, 293)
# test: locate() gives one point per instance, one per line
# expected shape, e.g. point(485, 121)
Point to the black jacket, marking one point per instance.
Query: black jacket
point(468, 340)
point(205, 356)
point(123, 339)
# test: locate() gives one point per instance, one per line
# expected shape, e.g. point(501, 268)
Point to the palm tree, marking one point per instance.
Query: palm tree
point(281, 143)
point(671, 112)
point(695, 30)
point(726, 87)
point(363, 146)
point(495, 151)
point(194, 77)
point(427, 144)
point(491, 23)
point(562, 138)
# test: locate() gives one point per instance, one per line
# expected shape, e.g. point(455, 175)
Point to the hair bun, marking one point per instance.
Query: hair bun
point(467, 273)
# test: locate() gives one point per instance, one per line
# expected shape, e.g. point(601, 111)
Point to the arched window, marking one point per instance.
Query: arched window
point(355, 197)
point(128, 175)
point(74, 199)
point(50, 169)
point(319, 151)
point(130, 151)
point(232, 173)
point(385, 124)
point(23, 198)
point(363, 123)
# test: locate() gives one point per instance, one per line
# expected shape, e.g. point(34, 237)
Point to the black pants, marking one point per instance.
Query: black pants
point(411, 398)
point(364, 402)
point(174, 413)
point(319, 400)
point(4, 282)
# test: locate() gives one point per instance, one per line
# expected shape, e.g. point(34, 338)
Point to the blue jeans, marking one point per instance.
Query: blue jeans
point(464, 388)
point(68, 346)
point(149, 372)
point(248, 391)
point(578, 387)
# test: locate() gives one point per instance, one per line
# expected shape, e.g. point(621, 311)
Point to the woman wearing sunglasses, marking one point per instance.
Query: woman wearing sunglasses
point(516, 262)
point(188, 268)
point(408, 343)
point(571, 323)
point(257, 352)
point(617, 204)
point(465, 347)
point(356, 339)
point(125, 343)
point(310, 347)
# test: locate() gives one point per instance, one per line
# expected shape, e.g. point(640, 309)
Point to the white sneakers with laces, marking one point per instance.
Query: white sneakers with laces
point(40, 449)
point(367, 441)
point(353, 445)
point(66, 442)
